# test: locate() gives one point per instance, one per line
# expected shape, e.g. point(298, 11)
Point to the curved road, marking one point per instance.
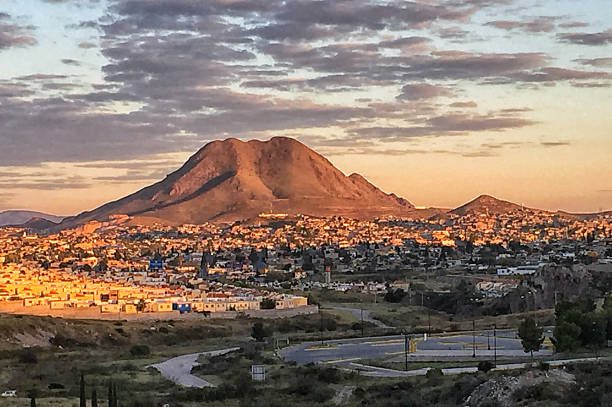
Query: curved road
point(178, 369)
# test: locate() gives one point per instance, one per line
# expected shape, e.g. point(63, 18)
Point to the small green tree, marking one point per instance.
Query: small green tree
point(259, 332)
point(268, 303)
point(110, 394)
point(82, 399)
point(531, 336)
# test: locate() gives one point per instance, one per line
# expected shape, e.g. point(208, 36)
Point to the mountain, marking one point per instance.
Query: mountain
point(232, 180)
point(486, 204)
point(18, 217)
point(39, 224)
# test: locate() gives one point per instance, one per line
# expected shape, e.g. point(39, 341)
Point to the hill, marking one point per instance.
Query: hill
point(486, 204)
point(19, 217)
point(233, 180)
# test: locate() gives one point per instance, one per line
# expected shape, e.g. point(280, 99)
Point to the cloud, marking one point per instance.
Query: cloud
point(599, 38)
point(13, 35)
point(444, 125)
point(420, 91)
point(46, 183)
point(554, 143)
point(537, 25)
point(597, 62)
point(177, 73)
point(71, 62)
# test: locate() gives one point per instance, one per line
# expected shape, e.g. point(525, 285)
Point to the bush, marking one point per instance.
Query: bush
point(434, 373)
point(395, 296)
point(485, 366)
point(267, 303)
point(329, 375)
point(140, 350)
point(544, 366)
point(259, 332)
point(28, 356)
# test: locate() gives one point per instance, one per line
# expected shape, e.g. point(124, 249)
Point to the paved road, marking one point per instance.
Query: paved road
point(356, 312)
point(435, 348)
point(178, 369)
point(373, 371)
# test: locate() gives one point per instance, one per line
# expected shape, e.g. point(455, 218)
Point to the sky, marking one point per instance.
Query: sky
point(438, 101)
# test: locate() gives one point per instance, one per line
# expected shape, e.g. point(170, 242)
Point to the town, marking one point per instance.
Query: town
point(116, 269)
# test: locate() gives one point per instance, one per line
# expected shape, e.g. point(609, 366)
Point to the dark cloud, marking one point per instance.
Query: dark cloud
point(537, 25)
point(554, 74)
point(14, 35)
point(188, 71)
point(420, 91)
point(598, 62)
point(444, 125)
point(599, 38)
point(72, 62)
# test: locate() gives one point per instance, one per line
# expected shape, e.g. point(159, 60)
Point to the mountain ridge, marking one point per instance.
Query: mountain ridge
point(18, 217)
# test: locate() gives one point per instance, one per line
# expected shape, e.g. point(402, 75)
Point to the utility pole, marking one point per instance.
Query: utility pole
point(495, 344)
point(428, 318)
point(321, 330)
point(405, 351)
point(473, 338)
point(362, 322)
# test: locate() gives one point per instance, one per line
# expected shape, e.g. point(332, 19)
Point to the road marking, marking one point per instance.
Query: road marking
point(382, 343)
point(330, 362)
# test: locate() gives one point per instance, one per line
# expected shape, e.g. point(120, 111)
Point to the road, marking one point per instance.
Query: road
point(357, 313)
point(373, 371)
point(435, 348)
point(178, 369)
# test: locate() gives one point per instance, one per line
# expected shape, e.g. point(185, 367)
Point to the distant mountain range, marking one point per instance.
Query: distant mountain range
point(233, 180)
point(19, 217)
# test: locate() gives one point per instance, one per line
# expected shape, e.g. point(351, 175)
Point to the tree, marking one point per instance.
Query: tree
point(259, 332)
point(33, 402)
point(531, 335)
point(82, 398)
point(567, 336)
point(267, 303)
point(94, 398)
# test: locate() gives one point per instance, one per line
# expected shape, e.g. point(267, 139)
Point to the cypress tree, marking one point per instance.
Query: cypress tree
point(110, 394)
point(82, 399)
point(115, 401)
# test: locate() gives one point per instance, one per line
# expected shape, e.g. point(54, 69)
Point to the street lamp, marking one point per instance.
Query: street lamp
point(473, 338)
point(495, 344)
point(362, 322)
point(405, 350)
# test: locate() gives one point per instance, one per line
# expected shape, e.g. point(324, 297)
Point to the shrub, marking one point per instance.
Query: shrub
point(268, 303)
point(28, 356)
point(140, 350)
point(485, 366)
point(544, 366)
point(434, 373)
